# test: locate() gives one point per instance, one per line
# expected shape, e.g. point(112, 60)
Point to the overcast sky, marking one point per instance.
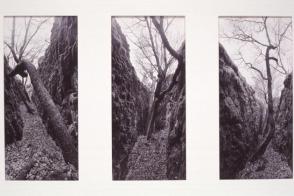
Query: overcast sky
point(175, 35)
point(42, 38)
point(249, 53)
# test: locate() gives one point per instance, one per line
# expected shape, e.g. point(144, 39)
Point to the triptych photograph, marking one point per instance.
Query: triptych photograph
point(152, 130)
point(148, 97)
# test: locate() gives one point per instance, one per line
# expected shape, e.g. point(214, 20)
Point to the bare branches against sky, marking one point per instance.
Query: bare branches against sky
point(138, 37)
point(244, 39)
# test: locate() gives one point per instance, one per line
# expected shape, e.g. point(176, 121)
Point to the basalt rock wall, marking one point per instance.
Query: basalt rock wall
point(284, 122)
point(13, 94)
point(240, 119)
point(172, 117)
point(58, 70)
point(130, 100)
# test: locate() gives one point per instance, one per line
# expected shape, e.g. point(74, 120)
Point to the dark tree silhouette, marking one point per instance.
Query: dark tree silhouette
point(159, 92)
point(59, 128)
point(272, 62)
point(55, 120)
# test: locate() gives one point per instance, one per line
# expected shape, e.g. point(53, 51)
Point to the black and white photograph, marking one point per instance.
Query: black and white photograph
point(148, 98)
point(41, 97)
point(255, 97)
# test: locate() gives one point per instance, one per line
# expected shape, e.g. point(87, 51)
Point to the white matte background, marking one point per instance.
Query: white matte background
point(94, 45)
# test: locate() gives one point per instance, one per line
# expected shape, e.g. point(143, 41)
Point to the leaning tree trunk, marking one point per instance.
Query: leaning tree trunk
point(25, 97)
point(25, 100)
point(149, 121)
point(59, 129)
point(160, 94)
point(270, 126)
point(154, 108)
point(153, 114)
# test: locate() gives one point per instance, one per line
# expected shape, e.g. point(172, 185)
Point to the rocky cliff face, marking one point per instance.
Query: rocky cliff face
point(176, 163)
point(13, 92)
point(129, 103)
point(172, 117)
point(58, 70)
point(284, 126)
point(239, 118)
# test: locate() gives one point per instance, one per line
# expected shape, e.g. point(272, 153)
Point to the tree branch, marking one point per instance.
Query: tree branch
point(252, 67)
point(266, 31)
point(21, 51)
point(35, 32)
point(245, 38)
point(13, 52)
point(284, 33)
point(164, 39)
point(152, 44)
point(174, 80)
point(13, 33)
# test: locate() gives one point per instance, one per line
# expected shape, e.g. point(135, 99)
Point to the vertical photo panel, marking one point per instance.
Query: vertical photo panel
point(41, 98)
point(255, 97)
point(148, 98)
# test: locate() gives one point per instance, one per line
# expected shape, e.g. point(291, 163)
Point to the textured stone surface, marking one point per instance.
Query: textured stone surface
point(129, 103)
point(176, 122)
point(13, 90)
point(239, 118)
point(58, 70)
point(36, 156)
point(276, 162)
point(148, 158)
point(271, 165)
point(284, 126)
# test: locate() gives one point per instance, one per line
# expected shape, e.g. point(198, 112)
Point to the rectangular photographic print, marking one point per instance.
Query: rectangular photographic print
point(148, 98)
point(255, 97)
point(41, 98)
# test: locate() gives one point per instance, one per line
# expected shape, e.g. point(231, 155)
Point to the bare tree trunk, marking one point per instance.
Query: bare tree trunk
point(264, 125)
point(150, 114)
point(151, 124)
point(159, 94)
point(59, 129)
point(270, 126)
point(26, 94)
point(25, 100)
point(154, 108)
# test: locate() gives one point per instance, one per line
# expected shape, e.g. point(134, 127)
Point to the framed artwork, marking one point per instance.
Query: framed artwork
point(255, 97)
point(149, 97)
point(41, 98)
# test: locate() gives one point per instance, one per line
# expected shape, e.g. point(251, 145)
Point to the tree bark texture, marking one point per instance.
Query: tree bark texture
point(59, 129)
point(270, 126)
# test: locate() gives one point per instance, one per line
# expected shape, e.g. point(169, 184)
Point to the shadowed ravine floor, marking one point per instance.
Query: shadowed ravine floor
point(36, 156)
point(270, 166)
point(148, 159)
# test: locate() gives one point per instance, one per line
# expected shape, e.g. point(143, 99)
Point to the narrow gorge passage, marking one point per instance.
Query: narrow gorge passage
point(256, 123)
point(148, 159)
point(240, 128)
point(41, 143)
point(271, 165)
point(148, 102)
point(36, 156)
